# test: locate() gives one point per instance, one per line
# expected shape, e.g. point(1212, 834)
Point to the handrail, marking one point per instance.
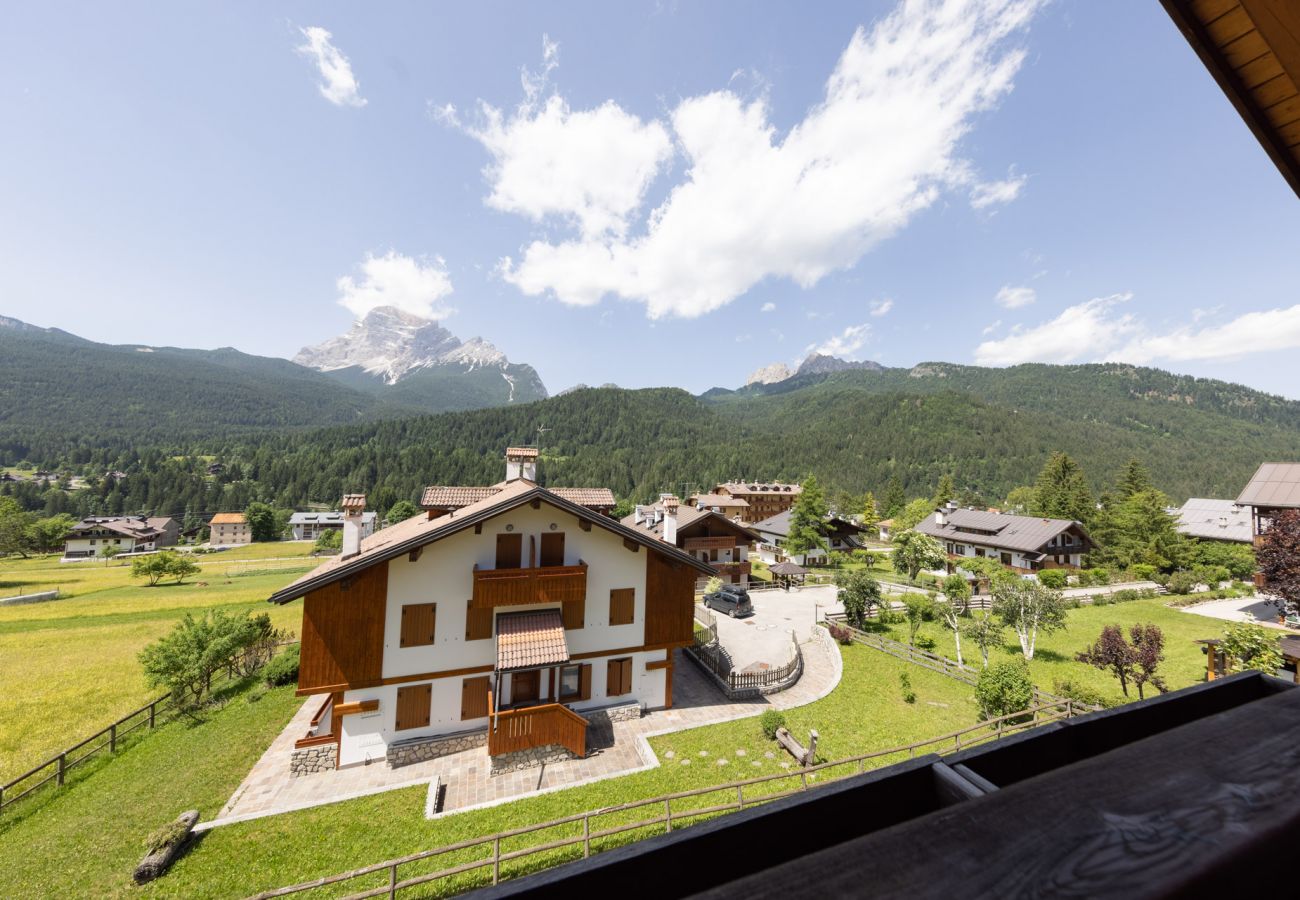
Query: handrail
point(991, 729)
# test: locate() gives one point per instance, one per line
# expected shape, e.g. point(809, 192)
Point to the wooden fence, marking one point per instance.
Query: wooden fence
point(529, 727)
point(56, 768)
point(592, 830)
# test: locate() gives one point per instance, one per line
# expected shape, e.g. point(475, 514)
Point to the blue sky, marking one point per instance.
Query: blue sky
point(666, 193)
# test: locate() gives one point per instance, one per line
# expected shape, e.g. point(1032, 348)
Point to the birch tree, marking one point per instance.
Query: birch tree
point(1028, 608)
point(954, 606)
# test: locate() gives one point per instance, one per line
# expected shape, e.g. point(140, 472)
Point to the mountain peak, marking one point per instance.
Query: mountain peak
point(770, 374)
point(387, 343)
point(823, 364)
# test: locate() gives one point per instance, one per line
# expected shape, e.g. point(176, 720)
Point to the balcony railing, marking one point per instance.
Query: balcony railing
point(520, 587)
point(530, 727)
point(733, 568)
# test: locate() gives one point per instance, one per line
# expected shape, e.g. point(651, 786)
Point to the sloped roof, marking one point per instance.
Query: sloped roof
point(229, 519)
point(721, 500)
point(327, 517)
point(454, 497)
point(416, 532)
point(1223, 520)
point(779, 524)
point(1024, 533)
point(760, 487)
point(529, 639)
point(687, 518)
point(1273, 484)
point(127, 526)
point(526, 452)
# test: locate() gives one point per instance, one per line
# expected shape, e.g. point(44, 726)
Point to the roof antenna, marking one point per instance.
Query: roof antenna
point(541, 433)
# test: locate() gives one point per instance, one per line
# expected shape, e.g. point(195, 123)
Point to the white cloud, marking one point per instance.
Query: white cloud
point(1098, 330)
point(589, 167)
point(411, 285)
point(1011, 297)
point(880, 308)
point(339, 86)
point(767, 307)
point(844, 344)
point(989, 329)
point(989, 193)
point(881, 146)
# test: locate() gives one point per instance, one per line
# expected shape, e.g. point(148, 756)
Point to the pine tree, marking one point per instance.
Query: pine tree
point(870, 512)
point(1061, 491)
point(807, 520)
point(1133, 479)
point(895, 499)
point(946, 491)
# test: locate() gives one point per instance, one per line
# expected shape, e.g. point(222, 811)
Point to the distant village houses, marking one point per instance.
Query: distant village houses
point(1024, 543)
point(764, 499)
point(127, 534)
point(1215, 520)
point(229, 530)
point(841, 536)
point(308, 526)
point(704, 533)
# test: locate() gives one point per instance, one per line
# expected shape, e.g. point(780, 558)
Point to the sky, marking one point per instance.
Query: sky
point(647, 194)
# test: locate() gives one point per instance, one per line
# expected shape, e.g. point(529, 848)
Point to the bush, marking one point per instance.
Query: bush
point(925, 642)
point(1053, 578)
point(1099, 576)
point(1127, 595)
point(1063, 687)
point(1143, 572)
point(770, 721)
point(283, 669)
point(1004, 688)
point(1181, 582)
point(185, 659)
point(909, 695)
point(840, 633)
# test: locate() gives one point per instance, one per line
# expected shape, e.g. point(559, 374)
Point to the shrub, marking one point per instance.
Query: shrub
point(713, 585)
point(1143, 572)
point(283, 669)
point(1072, 690)
point(1083, 578)
point(1101, 599)
point(329, 541)
point(925, 642)
point(1004, 688)
point(1099, 576)
point(185, 659)
point(1181, 582)
point(1127, 595)
point(770, 721)
point(1053, 578)
point(909, 695)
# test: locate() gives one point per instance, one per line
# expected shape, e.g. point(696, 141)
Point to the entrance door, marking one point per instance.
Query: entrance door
point(523, 687)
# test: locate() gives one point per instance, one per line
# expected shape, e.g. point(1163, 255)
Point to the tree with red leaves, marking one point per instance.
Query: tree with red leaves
point(1111, 651)
point(1148, 652)
point(1278, 558)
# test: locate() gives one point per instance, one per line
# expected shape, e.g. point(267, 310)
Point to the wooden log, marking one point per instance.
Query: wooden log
point(157, 862)
point(792, 746)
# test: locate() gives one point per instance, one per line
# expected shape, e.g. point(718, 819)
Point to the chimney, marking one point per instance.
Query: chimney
point(521, 462)
point(939, 518)
point(353, 505)
point(670, 518)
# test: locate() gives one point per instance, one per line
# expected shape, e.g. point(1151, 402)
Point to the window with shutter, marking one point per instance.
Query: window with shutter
point(622, 603)
point(584, 682)
point(474, 698)
point(574, 614)
point(618, 677)
point(414, 703)
point(552, 549)
point(510, 551)
point(478, 622)
point(419, 622)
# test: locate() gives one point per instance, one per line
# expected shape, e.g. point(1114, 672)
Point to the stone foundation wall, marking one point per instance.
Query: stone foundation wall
point(608, 715)
point(529, 759)
point(405, 753)
point(309, 760)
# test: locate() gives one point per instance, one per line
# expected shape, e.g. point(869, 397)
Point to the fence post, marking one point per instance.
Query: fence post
point(152, 713)
point(392, 880)
point(63, 764)
point(740, 796)
point(586, 836)
point(112, 738)
point(496, 860)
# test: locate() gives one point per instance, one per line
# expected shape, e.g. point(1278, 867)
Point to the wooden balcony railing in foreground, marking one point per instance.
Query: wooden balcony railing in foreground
point(521, 587)
point(605, 829)
point(530, 727)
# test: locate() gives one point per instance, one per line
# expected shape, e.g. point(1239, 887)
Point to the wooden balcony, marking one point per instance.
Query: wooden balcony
point(529, 727)
point(521, 587)
point(733, 568)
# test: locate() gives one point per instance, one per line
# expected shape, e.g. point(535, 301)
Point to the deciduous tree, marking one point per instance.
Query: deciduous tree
point(859, 593)
point(953, 606)
point(1004, 688)
point(1112, 652)
point(914, 551)
point(1028, 608)
point(916, 608)
point(985, 631)
point(1278, 558)
point(1148, 652)
point(403, 510)
point(1247, 645)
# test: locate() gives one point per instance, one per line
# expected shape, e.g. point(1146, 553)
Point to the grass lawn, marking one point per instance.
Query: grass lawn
point(86, 839)
point(69, 666)
point(1184, 663)
point(866, 712)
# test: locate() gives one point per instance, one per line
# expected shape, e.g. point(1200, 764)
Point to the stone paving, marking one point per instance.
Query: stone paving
point(612, 750)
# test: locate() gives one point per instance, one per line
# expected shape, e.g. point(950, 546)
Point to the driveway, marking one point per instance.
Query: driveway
point(764, 637)
point(1237, 610)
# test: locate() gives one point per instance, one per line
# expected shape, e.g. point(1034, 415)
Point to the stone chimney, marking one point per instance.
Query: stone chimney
point(670, 504)
point(521, 462)
point(353, 505)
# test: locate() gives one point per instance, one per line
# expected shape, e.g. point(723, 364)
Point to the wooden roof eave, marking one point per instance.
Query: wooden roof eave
point(451, 525)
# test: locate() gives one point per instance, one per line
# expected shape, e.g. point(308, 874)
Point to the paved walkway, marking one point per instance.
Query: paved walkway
point(1239, 609)
point(269, 789)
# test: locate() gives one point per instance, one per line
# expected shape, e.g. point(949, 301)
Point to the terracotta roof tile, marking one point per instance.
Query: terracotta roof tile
point(527, 452)
point(228, 519)
point(531, 639)
point(441, 497)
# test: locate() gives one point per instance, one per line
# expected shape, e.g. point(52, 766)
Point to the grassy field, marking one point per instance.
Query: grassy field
point(1184, 663)
point(865, 713)
point(68, 667)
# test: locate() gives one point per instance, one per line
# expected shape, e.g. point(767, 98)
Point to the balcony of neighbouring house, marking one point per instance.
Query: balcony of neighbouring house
point(734, 569)
point(521, 587)
point(533, 727)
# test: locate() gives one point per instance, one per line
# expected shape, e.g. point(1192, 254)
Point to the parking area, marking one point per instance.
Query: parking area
point(765, 636)
point(1239, 609)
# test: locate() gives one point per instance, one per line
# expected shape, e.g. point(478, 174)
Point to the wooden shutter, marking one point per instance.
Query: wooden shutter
point(474, 698)
point(584, 682)
point(574, 613)
point(552, 549)
point(626, 680)
point(622, 604)
point(613, 676)
point(510, 551)
point(478, 622)
point(419, 622)
point(413, 705)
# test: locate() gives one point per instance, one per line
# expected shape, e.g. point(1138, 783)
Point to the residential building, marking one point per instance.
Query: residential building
point(722, 504)
point(765, 498)
point(886, 529)
point(229, 530)
point(707, 535)
point(1215, 520)
point(1023, 543)
point(307, 526)
point(521, 463)
point(841, 535)
point(1273, 488)
point(503, 622)
point(128, 534)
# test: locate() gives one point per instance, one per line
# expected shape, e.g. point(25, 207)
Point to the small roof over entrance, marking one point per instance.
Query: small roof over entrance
point(531, 640)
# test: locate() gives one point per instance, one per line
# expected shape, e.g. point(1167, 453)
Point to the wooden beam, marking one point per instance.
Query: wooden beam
point(584, 525)
point(414, 555)
point(631, 545)
point(356, 706)
point(536, 503)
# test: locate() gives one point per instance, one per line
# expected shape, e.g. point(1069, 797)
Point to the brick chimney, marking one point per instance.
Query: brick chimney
point(670, 504)
point(353, 506)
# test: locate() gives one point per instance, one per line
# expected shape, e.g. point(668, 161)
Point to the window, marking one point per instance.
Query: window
point(478, 622)
point(419, 622)
point(622, 603)
point(510, 551)
point(1006, 559)
point(570, 682)
point(552, 549)
point(474, 698)
point(413, 705)
point(618, 677)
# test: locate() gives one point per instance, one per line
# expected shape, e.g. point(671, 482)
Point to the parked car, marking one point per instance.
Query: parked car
point(730, 599)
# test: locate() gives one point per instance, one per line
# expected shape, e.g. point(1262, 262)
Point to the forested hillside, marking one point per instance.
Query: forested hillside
point(990, 429)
